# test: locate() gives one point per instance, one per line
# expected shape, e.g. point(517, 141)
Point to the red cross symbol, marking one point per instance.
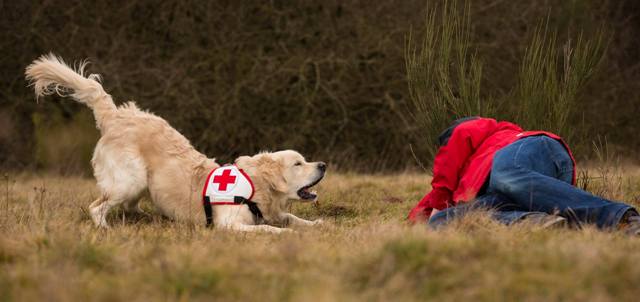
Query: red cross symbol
point(223, 180)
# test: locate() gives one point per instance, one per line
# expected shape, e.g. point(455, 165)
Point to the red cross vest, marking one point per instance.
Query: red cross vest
point(226, 183)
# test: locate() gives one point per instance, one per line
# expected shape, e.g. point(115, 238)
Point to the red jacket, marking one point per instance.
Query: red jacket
point(463, 163)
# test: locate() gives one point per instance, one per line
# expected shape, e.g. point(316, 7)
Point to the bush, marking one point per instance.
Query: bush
point(445, 78)
point(549, 83)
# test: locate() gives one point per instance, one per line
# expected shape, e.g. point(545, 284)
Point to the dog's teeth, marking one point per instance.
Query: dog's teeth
point(314, 192)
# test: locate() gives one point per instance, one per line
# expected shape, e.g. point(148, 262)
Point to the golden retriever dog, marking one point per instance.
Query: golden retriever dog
point(139, 152)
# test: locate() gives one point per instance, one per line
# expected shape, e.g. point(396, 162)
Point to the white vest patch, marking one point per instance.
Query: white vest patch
point(225, 183)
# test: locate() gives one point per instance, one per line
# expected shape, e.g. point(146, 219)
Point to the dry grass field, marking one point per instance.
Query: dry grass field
point(50, 251)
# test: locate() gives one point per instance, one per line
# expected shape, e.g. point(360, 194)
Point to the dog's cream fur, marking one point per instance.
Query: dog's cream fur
point(139, 151)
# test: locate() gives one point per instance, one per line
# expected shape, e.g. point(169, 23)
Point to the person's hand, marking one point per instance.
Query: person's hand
point(433, 213)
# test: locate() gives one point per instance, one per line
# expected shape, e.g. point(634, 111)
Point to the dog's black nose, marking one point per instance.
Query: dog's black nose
point(322, 166)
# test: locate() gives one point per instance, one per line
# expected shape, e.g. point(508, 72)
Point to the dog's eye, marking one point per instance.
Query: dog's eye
point(298, 163)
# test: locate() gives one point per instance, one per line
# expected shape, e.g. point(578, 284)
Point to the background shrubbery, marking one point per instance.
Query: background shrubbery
point(445, 75)
point(327, 78)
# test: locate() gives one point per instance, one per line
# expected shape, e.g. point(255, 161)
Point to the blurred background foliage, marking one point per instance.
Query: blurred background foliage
point(327, 78)
point(444, 74)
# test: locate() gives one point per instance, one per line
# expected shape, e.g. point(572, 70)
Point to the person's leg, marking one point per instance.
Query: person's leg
point(445, 216)
point(536, 172)
point(502, 210)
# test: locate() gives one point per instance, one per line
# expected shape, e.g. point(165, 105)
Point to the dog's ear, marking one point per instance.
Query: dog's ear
point(243, 161)
point(268, 169)
point(272, 171)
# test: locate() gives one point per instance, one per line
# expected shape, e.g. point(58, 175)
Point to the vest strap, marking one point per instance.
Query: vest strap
point(237, 200)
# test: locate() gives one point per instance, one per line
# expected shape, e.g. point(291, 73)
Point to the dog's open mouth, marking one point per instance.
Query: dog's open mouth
point(306, 194)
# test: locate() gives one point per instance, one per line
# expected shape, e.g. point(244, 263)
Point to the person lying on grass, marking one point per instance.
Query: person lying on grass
point(518, 175)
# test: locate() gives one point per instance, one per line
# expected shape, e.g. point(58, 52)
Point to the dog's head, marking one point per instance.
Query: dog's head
point(285, 173)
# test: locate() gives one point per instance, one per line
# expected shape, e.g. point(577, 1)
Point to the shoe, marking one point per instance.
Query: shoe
point(631, 225)
point(545, 221)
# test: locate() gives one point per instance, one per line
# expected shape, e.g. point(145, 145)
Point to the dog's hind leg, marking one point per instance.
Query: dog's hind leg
point(133, 206)
point(101, 209)
point(98, 210)
point(123, 193)
point(121, 176)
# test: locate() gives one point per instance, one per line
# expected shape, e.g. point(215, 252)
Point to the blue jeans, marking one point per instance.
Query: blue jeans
point(533, 175)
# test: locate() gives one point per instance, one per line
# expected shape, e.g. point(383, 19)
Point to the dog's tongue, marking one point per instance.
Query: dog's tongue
point(309, 194)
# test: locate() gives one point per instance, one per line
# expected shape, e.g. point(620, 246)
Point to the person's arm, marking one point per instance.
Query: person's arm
point(448, 165)
point(424, 209)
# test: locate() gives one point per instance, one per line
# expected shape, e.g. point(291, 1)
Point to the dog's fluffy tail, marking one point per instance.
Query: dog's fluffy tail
point(49, 74)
